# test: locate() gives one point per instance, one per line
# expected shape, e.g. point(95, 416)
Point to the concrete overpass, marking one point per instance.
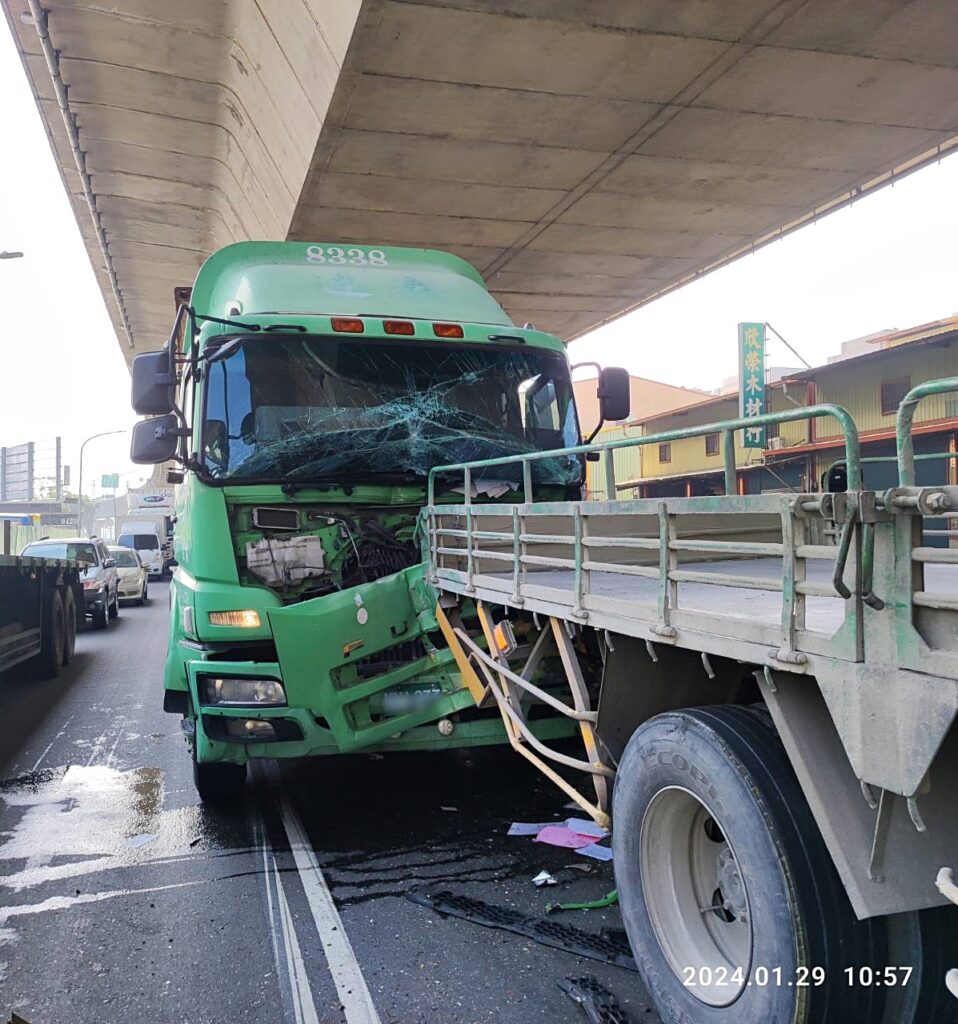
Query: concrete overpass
point(585, 156)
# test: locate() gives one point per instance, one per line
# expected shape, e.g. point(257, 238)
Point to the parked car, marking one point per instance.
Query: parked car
point(101, 581)
point(144, 538)
point(134, 575)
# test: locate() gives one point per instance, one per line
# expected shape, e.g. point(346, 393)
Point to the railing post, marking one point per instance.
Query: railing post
point(526, 481)
point(516, 557)
point(578, 611)
point(609, 463)
point(728, 453)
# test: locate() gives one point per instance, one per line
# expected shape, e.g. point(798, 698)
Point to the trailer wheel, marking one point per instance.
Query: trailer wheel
point(219, 782)
point(731, 903)
point(70, 627)
point(926, 940)
point(46, 665)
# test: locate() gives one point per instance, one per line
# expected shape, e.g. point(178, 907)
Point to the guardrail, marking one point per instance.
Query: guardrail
point(607, 449)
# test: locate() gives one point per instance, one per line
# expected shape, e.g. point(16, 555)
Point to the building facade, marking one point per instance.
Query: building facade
point(869, 380)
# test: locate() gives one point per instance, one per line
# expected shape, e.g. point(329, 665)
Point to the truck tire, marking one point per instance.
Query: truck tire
point(927, 941)
point(46, 665)
point(730, 899)
point(219, 783)
point(70, 627)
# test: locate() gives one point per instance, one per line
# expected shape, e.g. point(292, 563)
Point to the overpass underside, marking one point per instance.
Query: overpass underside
point(585, 156)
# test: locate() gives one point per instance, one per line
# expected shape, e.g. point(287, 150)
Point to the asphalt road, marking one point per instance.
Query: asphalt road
point(122, 898)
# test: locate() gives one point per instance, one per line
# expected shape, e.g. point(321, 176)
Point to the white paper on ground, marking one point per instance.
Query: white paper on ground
point(596, 852)
point(586, 827)
point(529, 828)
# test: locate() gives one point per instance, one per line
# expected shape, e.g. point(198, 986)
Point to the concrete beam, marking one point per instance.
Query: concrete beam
point(585, 162)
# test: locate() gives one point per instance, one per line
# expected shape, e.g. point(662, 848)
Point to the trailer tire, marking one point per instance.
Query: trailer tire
point(219, 783)
point(926, 941)
point(46, 665)
point(708, 813)
point(70, 625)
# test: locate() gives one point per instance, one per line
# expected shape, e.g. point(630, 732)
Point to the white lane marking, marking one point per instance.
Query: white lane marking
point(49, 746)
point(287, 953)
point(354, 995)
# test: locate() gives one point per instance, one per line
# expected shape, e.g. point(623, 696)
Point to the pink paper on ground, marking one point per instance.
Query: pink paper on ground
point(559, 835)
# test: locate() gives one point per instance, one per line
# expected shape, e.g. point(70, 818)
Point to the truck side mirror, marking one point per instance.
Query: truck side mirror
point(153, 382)
point(155, 440)
point(614, 393)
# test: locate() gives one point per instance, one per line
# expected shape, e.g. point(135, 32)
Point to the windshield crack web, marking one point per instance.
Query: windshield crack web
point(446, 408)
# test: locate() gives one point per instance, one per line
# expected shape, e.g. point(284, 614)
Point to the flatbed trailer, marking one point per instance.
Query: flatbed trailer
point(773, 734)
point(41, 603)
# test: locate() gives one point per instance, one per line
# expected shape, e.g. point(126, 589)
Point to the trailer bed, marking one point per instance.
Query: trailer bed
point(822, 614)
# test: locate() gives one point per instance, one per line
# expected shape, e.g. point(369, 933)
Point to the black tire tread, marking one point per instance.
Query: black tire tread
point(749, 740)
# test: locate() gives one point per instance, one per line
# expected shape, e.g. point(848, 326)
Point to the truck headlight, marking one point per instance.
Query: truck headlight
point(226, 692)
point(243, 618)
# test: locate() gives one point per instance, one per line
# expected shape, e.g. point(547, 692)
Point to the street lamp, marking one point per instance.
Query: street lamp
point(92, 437)
point(10, 255)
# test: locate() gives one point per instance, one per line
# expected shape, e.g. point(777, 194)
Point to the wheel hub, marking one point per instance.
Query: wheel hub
point(731, 886)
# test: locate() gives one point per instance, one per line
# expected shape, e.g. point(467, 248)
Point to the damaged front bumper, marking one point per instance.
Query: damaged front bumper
point(357, 668)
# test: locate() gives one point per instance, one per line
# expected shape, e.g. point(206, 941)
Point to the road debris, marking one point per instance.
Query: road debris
point(544, 878)
point(559, 835)
point(141, 840)
point(609, 900)
point(600, 1005)
point(528, 828)
point(595, 851)
point(608, 949)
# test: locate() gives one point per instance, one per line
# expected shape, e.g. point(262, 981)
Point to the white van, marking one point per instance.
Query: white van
point(144, 538)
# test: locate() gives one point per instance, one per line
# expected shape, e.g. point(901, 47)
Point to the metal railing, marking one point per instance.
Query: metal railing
point(607, 449)
point(904, 421)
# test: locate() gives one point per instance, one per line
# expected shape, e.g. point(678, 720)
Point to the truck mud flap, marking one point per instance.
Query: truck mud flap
point(607, 949)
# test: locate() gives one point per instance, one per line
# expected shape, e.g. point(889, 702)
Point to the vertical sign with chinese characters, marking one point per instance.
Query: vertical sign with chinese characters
point(751, 381)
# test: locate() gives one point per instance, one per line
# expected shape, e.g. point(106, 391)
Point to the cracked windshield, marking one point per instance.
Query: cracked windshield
point(302, 408)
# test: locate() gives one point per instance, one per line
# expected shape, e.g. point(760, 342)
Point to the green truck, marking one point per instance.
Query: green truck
point(382, 544)
point(307, 391)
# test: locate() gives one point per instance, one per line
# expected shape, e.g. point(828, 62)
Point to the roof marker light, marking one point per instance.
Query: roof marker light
point(399, 327)
point(447, 330)
point(347, 325)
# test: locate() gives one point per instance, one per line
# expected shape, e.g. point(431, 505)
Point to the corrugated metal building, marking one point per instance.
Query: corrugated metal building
point(869, 380)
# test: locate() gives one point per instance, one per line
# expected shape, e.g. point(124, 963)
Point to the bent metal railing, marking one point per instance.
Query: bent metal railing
point(507, 535)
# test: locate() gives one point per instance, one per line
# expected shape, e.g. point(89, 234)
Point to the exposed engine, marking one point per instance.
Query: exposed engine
point(305, 551)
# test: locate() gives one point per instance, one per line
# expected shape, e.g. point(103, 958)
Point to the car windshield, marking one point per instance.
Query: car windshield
point(75, 551)
point(139, 541)
point(125, 559)
point(310, 407)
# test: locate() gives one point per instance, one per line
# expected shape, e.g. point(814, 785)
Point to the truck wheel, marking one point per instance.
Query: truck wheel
point(926, 940)
point(70, 627)
point(47, 663)
point(219, 783)
point(730, 900)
